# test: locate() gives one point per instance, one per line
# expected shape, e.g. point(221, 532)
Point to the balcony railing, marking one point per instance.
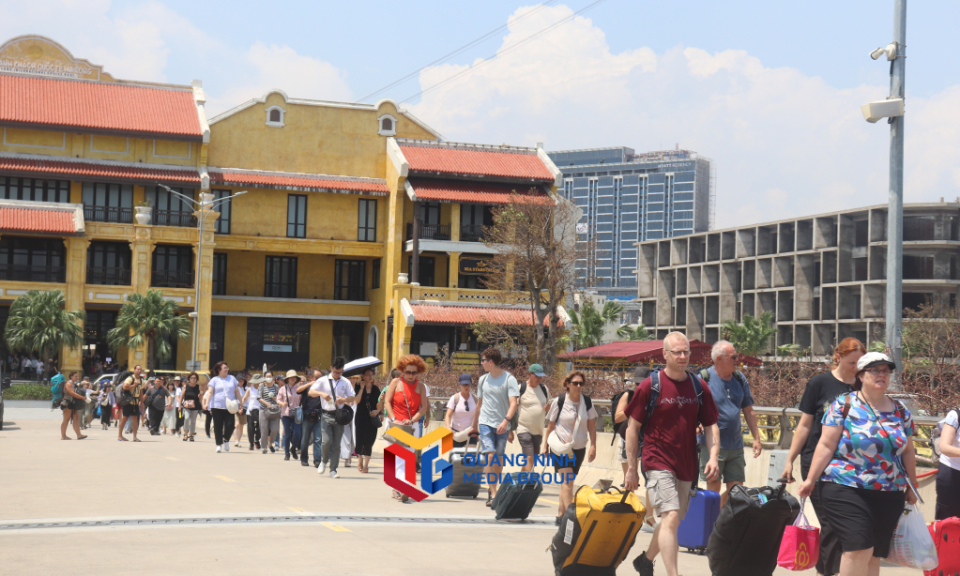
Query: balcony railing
point(32, 273)
point(355, 293)
point(471, 233)
point(171, 279)
point(108, 276)
point(430, 231)
point(108, 214)
point(173, 218)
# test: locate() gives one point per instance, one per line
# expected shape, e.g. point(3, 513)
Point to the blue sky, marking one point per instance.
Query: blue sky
point(770, 90)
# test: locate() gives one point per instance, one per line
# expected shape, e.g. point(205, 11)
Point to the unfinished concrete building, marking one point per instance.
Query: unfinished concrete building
point(823, 276)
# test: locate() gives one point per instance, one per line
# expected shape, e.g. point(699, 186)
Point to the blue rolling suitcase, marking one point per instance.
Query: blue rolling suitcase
point(695, 528)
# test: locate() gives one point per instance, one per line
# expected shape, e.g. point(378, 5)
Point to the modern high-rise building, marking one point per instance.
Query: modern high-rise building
point(628, 198)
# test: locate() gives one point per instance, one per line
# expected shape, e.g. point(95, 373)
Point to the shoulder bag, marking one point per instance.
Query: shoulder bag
point(298, 411)
point(375, 419)
point(342, 414)
point(272, 409)
point(232, 404)
point(558, 446)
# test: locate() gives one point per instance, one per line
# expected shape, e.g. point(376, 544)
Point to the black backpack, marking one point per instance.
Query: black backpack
point(655, 400)
point(619, 427)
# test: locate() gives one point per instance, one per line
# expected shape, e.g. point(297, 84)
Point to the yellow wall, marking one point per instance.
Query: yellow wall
point(314, 139)
point(99, 146)
point(234, 340)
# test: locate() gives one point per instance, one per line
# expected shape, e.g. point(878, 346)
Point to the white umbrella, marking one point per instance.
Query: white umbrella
point(357, 367)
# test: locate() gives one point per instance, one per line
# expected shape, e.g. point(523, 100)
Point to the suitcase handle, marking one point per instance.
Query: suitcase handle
point(624, 492)
point(783, 486)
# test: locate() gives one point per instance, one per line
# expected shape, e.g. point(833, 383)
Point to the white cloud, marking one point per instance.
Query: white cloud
point(786, 144)
point(272, 66)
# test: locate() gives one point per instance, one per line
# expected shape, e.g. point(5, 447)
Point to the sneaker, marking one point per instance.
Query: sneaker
point(264, 451)
point(322, 468)
point(219, 448)
point(643, 565)
point(334, 475)
point(272, 450)
point(226, 446)
point(294, 453)
point(286, 457)
point(237, 444)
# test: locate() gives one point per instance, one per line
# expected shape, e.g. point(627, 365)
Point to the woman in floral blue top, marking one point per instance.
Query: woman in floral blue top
point(865, 459)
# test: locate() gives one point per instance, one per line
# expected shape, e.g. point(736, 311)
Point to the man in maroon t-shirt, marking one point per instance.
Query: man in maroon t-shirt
point(669, 448)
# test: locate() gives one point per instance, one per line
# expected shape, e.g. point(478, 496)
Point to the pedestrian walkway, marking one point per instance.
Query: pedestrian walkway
point(243, 512)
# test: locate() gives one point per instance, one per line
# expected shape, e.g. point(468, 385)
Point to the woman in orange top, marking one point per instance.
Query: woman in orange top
point(406, 399)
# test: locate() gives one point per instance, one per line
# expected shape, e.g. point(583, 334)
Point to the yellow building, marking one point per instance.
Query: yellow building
point(314, 259)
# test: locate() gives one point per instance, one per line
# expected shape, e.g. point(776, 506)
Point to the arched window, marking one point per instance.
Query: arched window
point(275, 116)
point(388, 125)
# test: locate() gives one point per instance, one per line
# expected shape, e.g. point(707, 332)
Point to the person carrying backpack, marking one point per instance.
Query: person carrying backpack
point(618, 404)
point(572, 417)
point(731, 392)
point(531, 410)
point(663, 417)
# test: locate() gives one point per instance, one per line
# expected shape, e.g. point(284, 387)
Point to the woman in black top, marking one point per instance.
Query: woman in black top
point(366, 428)
point(73, 403)
point(190, 404)
point(819, 394)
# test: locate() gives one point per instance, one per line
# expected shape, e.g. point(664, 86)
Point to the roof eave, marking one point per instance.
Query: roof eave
point(105, 131)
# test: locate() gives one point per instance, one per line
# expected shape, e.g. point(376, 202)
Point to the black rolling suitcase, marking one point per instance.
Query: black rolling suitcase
point(746, 538)
point(515, 501)
point(460, 488)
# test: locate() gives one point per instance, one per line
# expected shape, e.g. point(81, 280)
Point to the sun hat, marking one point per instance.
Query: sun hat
point(291, 374)
point(871, 359)
point(537, 370)
point(256, 379)
point(466, 380)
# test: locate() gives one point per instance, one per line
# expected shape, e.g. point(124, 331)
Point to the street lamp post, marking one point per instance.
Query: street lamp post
point(201, 205)
point(894, 303)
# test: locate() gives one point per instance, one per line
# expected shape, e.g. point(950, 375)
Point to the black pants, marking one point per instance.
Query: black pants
point(948, 492)
point(206, 421)
point(105, 414)
point(155, 417)
point(831, 551)
point(253, 427)
point(223, 425)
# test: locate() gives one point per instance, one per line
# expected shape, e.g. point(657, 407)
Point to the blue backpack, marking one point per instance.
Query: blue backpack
point(57, 389)
point(655, 400)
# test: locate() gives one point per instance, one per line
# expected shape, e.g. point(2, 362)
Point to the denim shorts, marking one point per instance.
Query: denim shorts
point(490, 441)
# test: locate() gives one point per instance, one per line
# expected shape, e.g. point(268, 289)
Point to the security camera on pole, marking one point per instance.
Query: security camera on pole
point(892, 108)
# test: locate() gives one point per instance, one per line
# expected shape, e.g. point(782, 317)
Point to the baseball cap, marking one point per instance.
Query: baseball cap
point(466, 380)
point(538, 370)
point(871, 359)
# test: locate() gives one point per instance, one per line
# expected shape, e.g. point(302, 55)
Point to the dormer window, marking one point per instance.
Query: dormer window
point(275, 116)
point(388, 125)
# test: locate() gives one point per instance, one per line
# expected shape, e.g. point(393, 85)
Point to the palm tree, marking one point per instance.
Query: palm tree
point(789, 350)
point(38, 323)
point(151, 320)
point(752, 336)
point(634, 333)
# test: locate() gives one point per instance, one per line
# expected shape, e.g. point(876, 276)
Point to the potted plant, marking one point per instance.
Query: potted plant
point(144, 211)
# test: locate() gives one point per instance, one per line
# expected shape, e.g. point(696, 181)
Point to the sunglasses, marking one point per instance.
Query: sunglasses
point(409, 373)
point(577, 382)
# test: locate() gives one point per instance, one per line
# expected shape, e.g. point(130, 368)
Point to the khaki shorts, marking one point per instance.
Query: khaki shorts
point(732, 464)
point(667, 493)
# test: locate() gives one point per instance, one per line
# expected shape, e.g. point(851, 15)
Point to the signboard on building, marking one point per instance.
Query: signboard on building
point(474, 266)
point(41, 56)
point(277, 348)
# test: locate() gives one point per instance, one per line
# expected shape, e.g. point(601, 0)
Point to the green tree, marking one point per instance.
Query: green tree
point(634, 333)
point(151, 320)
point(752, 337)
point(38, 323)
point(589, 323)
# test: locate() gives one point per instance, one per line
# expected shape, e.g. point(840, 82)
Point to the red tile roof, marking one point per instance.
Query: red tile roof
point(466, 315)
point(91, 171)
point(435, 159)
point(635, 351)
point(37, 221)
point(308, 182)
point(98, 106)
point(478, 192)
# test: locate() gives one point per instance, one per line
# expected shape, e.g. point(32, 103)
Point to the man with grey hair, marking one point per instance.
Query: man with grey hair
point(664, 413)
point(731, 392)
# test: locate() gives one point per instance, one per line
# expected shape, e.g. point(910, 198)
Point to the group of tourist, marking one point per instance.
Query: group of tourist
point(27, 367)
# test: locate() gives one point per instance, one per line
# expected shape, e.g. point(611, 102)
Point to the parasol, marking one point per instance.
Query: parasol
point(357, 367)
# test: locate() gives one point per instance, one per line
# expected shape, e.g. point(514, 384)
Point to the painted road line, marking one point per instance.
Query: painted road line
point(335, 527)
point(549, 501)
point(225, 479)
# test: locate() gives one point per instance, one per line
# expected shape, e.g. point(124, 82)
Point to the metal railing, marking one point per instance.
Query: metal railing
point(171, 278)
point(108, 214)
point(429, 231)
point(32, 273)
point(173, 218)
point(108, 276)
point(471, 233)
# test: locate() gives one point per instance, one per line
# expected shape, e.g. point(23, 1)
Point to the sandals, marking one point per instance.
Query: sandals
point(118, 440)
point(489, 499)
point(80, 437)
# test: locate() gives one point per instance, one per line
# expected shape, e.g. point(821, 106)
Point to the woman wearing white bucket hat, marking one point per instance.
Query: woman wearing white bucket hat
point(460, 409)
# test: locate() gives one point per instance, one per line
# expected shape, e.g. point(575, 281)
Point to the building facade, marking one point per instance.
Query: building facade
point(312, 261)
point(628, 198)
point(823, 277)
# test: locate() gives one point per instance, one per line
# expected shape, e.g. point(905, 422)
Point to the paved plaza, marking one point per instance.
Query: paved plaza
point(164, 506)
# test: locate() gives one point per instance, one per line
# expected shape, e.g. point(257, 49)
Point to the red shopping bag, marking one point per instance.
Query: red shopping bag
point(800, 547)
